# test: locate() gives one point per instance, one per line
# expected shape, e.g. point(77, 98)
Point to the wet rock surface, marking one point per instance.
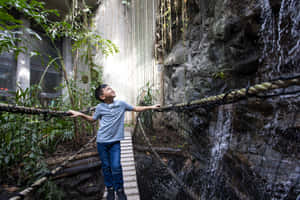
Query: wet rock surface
point(246, 150)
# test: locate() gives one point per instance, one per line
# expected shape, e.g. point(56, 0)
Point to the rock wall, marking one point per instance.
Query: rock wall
point(245, 150)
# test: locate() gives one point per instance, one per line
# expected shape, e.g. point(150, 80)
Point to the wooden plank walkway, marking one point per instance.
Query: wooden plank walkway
point(129, 171)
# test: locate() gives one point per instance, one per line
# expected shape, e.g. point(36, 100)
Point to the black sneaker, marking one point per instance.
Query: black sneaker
point(110, 193)
point(121, 194)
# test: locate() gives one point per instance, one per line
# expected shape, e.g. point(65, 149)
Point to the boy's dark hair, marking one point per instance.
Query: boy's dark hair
point(99, 91)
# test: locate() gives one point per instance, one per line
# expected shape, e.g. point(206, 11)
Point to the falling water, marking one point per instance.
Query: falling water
point(280, 34)
point(130, 24)
point(132, 28)
point(267, 28)
point(295, 30)
point(220, 133)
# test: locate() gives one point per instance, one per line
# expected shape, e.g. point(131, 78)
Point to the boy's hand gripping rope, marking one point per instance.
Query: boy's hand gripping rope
point(224, 98)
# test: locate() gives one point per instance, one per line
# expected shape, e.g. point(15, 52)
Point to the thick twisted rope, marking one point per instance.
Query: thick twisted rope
point(36, 111)
point(40, 181)
point(224, 98)
point(235, 95)
point(192, 194)
point(30, 110)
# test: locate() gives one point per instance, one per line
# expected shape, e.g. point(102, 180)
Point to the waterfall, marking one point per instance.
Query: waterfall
point(130, 25)
point(220, 133)
point(280, 35)
point(267, 28)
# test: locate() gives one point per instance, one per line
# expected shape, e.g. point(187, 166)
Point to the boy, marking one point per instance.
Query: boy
point(111, 131)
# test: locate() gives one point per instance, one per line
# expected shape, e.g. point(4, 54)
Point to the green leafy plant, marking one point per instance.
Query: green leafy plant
point(26, 139)
point(147, 97)
point(219, 75)
point(50, 191)
point(9, 24)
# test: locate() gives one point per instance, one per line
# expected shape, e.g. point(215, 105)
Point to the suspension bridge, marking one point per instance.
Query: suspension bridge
point(127, 156)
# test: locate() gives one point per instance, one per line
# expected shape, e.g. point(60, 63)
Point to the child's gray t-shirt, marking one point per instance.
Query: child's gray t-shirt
point(111, 120)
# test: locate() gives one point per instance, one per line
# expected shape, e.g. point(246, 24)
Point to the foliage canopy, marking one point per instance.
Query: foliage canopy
point(25, 139)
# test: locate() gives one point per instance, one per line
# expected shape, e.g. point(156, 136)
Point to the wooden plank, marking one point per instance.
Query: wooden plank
point(128, 168)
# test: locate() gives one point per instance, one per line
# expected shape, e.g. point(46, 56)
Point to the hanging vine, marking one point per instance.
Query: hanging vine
point(171, 26)
point(170, 23)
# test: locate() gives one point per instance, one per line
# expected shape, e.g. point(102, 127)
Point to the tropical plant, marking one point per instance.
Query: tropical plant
point(10, 25)
point(146, 97)
point(25, 139)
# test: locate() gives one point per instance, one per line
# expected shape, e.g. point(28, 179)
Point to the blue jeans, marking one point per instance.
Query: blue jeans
point(111, 164)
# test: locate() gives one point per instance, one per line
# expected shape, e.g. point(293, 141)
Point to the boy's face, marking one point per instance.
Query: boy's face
point(108, 93)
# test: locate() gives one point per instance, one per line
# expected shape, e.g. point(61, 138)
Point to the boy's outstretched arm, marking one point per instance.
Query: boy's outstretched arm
point(79, 114)
point(144, 108)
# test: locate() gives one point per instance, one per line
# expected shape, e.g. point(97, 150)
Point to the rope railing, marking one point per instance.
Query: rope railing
point(224, 98)
point(41, 180)
point(235, 95)
point(191, 193)
point(31, 110)
point(36, 111)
